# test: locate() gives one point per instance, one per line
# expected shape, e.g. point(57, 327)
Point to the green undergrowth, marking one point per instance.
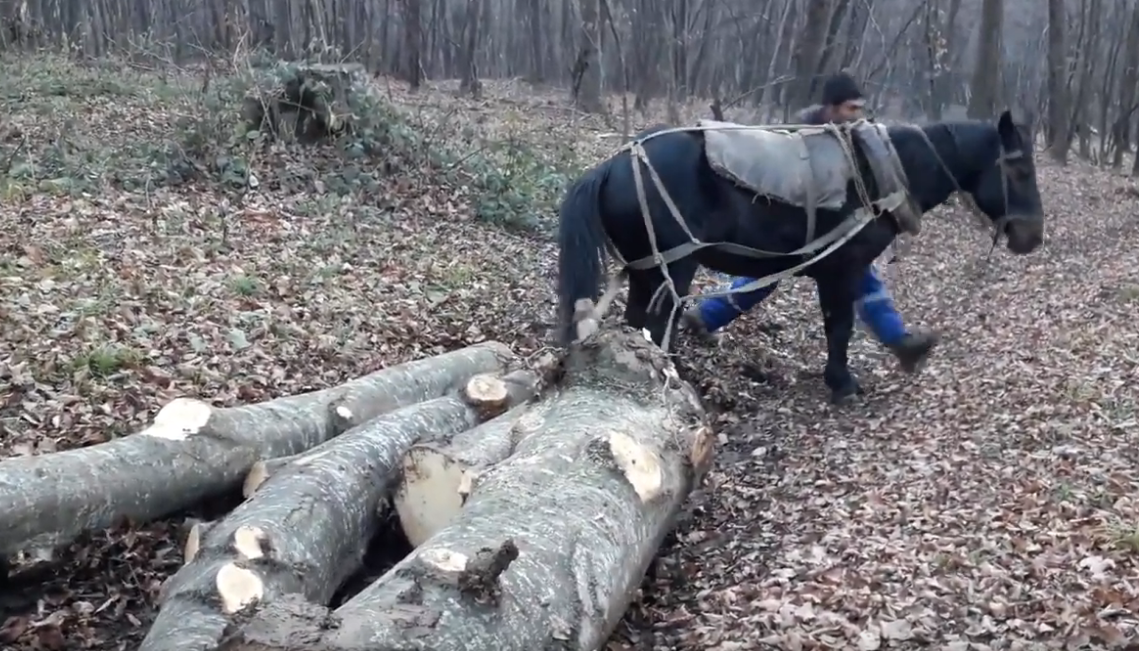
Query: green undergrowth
point(75, 129)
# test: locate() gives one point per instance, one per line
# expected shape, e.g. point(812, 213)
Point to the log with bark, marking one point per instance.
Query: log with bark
point(306, 528)
point(552, 542)
point(194, 451)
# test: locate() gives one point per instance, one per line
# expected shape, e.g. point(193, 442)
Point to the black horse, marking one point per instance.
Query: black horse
point(991, 162)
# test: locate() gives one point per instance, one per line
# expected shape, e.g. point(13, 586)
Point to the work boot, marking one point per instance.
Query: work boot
point(913, 350)
point(694, 323)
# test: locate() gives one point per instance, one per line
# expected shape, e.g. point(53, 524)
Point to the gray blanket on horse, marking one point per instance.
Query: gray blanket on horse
point(808, 167)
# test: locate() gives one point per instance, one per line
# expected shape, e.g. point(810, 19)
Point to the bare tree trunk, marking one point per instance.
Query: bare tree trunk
point(987, 72)
point(809, 50)
point(1087, 52)
point(950, 79)
point(856, 33)
point(413, 43)
point(830, 45)
point(1107, 84)
point(1058, 109)
point(587, 68)
point(537, 36)
point(470, 81)
point(781, 54)
point(646, 49)
point(1128, 97)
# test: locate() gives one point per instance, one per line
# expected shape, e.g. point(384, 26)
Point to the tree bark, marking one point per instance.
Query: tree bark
point(554, 541)
point(809, 50)
point(194, 451)
point(987, 71)
point(413, 42)
point(305, 530)
point(1087, 65)
point(1058, 108)
point(1128, 99)
point(587, 68)
point(437, 475)
point(470, 79)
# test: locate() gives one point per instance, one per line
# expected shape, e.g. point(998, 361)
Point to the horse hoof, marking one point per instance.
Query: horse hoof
point(846, 395)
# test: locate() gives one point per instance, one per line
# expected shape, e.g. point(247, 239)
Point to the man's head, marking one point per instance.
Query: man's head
point(842, 98)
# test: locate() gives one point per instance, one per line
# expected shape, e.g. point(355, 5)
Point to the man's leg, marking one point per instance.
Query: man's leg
point(877, 311)
point(714, 313)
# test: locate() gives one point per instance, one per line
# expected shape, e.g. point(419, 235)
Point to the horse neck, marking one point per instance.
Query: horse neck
point(934, 175)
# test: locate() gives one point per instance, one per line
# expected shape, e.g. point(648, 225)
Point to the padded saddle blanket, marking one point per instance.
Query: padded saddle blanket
point(794, 165)
point(783, 164)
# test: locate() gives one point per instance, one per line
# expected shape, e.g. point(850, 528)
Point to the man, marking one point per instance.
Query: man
point(842, 102)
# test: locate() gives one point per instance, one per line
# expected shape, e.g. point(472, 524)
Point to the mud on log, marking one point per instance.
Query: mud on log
point(305, 529)
point(193, 451)
point(552, 542)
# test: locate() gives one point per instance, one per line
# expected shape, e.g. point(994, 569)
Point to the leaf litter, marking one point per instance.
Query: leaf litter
point(988, 503)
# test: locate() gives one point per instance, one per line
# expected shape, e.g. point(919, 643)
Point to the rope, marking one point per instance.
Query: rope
point(828, 243)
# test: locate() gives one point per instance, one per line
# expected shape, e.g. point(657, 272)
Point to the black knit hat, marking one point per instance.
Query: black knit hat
point(839, 89)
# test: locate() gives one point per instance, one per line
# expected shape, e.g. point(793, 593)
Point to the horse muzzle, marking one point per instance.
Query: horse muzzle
point(1025, 233)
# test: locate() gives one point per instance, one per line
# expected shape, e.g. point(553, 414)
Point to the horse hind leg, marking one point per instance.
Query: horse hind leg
point(651, 304)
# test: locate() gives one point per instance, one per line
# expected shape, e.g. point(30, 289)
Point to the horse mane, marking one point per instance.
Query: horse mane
point(951, 139)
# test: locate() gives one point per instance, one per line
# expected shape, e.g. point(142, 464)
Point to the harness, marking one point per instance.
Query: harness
point(1002, 162)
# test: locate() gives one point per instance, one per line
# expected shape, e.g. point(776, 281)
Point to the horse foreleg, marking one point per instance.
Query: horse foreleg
point(836, 298)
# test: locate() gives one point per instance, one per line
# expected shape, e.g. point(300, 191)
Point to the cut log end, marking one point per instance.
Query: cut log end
point(488, 394)
point(257, 476)
point(437, 477)
point(639, 465)
point(194, 541)
point(261, 471)
point(251, 542)
point(427, 498)
point(341, 416)
point(238, 588)
point(180, 419)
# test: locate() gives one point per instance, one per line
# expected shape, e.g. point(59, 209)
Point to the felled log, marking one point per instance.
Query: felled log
point(552, 542)
point(193, 451)
point(438, 474)
point(305, 529)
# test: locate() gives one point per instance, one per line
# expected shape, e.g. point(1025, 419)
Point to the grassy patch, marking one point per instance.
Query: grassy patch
point(175, 129)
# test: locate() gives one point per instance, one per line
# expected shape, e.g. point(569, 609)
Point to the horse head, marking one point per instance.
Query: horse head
point(1004, 185)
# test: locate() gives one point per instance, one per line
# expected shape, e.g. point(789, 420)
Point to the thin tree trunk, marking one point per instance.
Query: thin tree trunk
point(1057, 132)
point(987, 71)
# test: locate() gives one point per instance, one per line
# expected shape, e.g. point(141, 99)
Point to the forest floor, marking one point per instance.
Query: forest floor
point(989, 502)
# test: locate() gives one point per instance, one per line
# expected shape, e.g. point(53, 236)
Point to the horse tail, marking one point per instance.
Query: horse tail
point(581, 247)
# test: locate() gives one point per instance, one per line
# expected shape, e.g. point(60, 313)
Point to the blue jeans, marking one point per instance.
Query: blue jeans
point(875, 308)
